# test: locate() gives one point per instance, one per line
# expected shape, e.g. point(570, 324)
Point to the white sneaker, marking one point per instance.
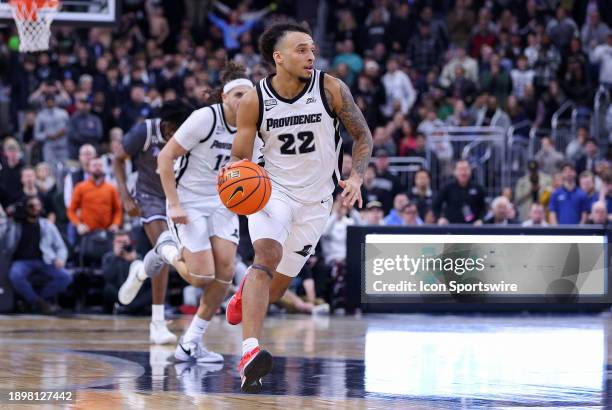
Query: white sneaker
point(154, 260)
point(322, 309)
point(164, 239)
point(190, 376)
point(132, 284)
point(195, 371)
point(195, 351)
point(159, 358)
point(159, 333)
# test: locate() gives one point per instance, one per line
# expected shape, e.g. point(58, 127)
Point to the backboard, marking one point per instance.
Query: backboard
point(77, 12)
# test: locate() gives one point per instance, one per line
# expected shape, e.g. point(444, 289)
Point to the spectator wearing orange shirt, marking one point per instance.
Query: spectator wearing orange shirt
point(95, 203)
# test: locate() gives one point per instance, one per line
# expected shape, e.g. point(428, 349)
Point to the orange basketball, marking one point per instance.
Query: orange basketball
point(245, 188)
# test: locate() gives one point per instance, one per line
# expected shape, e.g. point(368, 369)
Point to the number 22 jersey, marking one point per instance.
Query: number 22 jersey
point(302, 145)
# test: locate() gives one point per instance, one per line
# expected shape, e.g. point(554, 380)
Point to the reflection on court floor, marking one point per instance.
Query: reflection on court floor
point(386, 361)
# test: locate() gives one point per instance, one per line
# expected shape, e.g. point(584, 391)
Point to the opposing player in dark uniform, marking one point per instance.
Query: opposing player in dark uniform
point(142, 144)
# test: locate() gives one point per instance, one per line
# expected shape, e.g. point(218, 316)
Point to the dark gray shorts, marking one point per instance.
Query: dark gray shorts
point(151, 207)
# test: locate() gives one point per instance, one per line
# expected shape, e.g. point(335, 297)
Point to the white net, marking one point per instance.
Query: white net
point(33, 19)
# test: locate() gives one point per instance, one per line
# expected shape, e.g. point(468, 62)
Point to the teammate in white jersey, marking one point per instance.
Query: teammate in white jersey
point(204, 233)
point(295, 112)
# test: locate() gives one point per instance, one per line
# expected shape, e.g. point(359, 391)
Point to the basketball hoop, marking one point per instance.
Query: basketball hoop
point(33, 19)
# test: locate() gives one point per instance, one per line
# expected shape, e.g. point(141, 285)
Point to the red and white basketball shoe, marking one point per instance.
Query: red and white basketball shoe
point(233, 312)
point(254, 365)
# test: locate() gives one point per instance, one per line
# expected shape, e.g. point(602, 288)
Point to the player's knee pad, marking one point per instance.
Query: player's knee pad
point(265, 269)
point(224, 282)
point(200, 280)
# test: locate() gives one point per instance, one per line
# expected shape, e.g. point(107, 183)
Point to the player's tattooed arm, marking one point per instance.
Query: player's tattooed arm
point(340, 99)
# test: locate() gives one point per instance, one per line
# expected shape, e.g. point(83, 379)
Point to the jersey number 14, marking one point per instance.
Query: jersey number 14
point(221, 160)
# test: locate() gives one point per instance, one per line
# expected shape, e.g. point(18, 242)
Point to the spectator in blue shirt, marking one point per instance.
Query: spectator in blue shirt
point(566, 203)
point(232, 30)
point(394, 217)
point(402, 212)
point(410, 215)
point(346, 55)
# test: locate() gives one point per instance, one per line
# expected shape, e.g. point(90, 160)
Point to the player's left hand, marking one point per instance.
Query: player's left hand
point(352, 191)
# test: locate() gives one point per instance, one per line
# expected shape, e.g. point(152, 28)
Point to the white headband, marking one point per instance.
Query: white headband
point(235, 83)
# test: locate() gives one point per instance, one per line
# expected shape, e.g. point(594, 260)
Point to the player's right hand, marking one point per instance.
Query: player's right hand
point(222, 173)
point(178, 215)
point(351, 191)
point(130, 207)
point(224, 168)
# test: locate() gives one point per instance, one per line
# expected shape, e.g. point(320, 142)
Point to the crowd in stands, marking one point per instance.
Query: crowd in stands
point(413, 66)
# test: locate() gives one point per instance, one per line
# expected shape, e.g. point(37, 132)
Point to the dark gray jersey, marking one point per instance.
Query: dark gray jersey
point(143, 143)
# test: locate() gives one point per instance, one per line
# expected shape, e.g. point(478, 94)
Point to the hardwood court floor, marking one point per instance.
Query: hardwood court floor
point(373, 361)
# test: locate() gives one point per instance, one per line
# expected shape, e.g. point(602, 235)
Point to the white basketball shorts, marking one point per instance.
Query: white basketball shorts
point(195, 236)
point(297, 226)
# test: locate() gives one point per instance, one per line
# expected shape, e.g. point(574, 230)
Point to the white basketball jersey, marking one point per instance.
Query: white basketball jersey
point(302, 145)
point(208, 139)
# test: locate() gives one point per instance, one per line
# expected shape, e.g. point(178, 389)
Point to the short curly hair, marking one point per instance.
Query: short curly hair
point(270, 38)
point(232, 71)
point(175, 112)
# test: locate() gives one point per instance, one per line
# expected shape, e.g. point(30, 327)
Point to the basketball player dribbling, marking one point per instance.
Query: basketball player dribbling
point(295, 112)
point(204, 235)
point(142, 144)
